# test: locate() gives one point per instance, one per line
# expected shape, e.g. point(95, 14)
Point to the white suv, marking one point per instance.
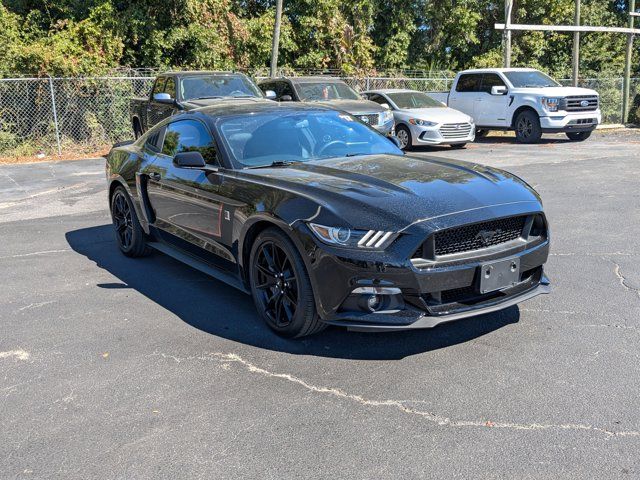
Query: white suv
point(525, 100)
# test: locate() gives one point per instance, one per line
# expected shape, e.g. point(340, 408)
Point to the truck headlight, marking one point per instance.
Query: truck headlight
point(551, 103)
point(422, 123)
point(347, 237)
point(387, 116)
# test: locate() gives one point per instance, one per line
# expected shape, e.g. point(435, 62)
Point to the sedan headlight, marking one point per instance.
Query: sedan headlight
point(347, 237)
point(387, 116)
point(551, 103)
point(422, 123)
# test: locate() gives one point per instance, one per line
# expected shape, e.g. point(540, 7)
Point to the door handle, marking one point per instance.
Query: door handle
point(155, 176)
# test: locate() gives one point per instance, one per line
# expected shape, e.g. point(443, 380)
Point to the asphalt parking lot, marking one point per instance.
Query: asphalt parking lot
point(121, 368)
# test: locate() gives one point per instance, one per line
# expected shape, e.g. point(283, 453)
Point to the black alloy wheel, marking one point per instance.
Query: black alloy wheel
point(578, 136)
point(129, 233)
point(528, 127)
point(280, 286)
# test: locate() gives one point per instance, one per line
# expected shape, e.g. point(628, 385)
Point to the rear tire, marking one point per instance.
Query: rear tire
point(527, 127)
point(403, 134)
point(280, 286)
point(578, 136)
point(129, 234)
point(458, 145)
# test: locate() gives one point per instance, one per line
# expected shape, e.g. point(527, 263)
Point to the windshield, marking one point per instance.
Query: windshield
point(326, 91)
point(213, 86)
point(531, 79)
point(292, 136)
point(413, 100)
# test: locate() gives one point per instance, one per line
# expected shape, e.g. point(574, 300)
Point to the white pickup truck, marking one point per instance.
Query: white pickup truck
point(525, 100)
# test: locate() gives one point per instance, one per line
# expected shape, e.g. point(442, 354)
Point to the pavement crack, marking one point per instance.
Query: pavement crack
point(36, 305)
point(623, 280)
point(31, 254)
point(403, 405)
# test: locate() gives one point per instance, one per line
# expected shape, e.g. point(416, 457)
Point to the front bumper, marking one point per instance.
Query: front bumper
point(386, 128)
point(433, 136)
point(570, 122)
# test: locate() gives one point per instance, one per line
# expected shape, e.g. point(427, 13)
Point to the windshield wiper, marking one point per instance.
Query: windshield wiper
point(277, 163)
point(205, 98)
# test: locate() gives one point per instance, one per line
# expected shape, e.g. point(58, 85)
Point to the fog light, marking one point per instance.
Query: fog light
point(374, 302)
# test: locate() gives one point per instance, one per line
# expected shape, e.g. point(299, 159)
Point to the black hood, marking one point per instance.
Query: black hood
point(393, 191)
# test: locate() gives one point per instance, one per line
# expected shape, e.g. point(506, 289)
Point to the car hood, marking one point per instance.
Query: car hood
point(439, 115)
point(394, 191)
point(351, 106)
point(557, 91)
point(205, 102)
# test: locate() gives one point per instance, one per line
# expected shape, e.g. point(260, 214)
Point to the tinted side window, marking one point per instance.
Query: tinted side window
point(491, 80)
point(170, 87)
point(158, 87)
point(374, 97)
point(284, 89)
point(189, 136)
point(266, 86)
point(154, 140)
point(469, 83)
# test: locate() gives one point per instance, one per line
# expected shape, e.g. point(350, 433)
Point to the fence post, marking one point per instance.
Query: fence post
point(55, 115)
point(367, 83)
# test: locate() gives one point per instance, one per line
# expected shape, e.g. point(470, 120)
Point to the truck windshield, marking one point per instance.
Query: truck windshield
point(214, 86)
point(326, 91)
point(411, 100)
point(277, 138)
point(533, 79)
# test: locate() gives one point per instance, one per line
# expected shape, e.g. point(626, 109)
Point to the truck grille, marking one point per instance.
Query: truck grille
point(478, 235)
point(455, 130)
point(370, 118)
point(580, 103)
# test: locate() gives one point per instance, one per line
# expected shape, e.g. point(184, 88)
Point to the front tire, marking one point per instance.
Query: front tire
point(403, 134)
point(280, 286)
point(129, 234)
point(578, 136)
point(528, 128)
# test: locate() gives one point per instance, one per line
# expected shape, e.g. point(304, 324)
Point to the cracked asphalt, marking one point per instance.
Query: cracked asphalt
point(133, 369)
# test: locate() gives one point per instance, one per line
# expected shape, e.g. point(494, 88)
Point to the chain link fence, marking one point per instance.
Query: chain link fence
point(86, 115)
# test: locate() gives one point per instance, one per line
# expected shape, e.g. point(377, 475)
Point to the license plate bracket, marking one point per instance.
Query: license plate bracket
point(499, 274)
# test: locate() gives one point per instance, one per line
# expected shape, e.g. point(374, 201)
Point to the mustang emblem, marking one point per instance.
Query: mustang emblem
point(584, 103)
point(485, 236)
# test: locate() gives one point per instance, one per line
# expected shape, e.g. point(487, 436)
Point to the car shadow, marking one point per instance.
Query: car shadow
point(218, 309)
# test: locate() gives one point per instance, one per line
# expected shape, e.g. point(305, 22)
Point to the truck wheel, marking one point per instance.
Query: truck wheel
point(404, 137)
point(280, 286)
point(578, 136)
point(528, 127)
point(129, 234)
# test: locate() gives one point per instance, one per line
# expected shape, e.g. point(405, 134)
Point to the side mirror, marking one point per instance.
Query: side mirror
point(385, 105)
point(395, 141)
point(270, 94)
point(499, 90)
point(189, 160)
point(286, 98)
point(163, 98)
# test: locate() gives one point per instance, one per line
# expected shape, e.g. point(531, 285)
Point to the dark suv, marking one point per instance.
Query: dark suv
point(333, 93)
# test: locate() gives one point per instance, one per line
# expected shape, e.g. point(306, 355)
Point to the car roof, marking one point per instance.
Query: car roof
point(393, 90)
point(198, 73)
point(503, 70)
point(307, 79)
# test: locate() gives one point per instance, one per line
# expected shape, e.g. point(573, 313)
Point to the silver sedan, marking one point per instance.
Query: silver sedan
point(421, 120)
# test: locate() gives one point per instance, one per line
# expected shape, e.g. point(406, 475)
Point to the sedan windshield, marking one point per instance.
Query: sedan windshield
point(411, 100)
point(279, 138)
point(533, 79)
point(326, 91)
point(215, 86)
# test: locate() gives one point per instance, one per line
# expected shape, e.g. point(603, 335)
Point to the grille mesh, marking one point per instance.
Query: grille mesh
point(370, 118)
point(455, 130)
point(574, 103)
point(478, 235)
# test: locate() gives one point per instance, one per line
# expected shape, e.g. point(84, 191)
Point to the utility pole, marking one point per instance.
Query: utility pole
point(576, 45)
point(276, 39)
point(627, 63)
point(508, 6)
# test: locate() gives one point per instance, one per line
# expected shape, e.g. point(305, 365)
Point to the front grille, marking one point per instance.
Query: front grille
point(575, 103)
point(370, 118)
point(455, 130)
point(478, 235)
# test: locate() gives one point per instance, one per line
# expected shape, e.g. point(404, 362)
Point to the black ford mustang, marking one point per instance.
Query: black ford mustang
point(325, 221)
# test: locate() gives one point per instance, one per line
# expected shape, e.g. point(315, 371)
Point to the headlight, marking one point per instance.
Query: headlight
point(471, 120)
point(422, 123)
point(551, 103)
point(346, 237)
point(387, 116)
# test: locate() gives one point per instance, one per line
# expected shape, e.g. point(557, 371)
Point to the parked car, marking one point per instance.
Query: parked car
point(525, 100)
point(421, 120)
point(332, 92)
point(325, 221)
point(176, 91)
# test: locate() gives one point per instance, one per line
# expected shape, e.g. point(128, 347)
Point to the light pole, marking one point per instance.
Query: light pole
point(276, 39)
point(576, 45)
point(627, 63)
